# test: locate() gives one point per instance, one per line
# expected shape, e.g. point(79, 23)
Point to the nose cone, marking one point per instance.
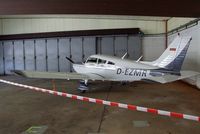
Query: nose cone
point(77, 68)
point(74, 67)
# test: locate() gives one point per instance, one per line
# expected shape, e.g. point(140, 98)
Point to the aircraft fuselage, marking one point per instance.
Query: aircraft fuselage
point(112, 72)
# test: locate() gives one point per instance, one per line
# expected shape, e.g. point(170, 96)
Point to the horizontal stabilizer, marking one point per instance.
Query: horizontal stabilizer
point(170, 78)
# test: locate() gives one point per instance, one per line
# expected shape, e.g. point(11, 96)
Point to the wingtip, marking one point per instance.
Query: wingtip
point(18, 72)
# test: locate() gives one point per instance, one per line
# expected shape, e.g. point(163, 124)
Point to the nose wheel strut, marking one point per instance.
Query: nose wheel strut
point(83, 86)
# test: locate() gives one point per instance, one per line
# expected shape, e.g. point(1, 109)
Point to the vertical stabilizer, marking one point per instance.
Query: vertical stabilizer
point(173, 57)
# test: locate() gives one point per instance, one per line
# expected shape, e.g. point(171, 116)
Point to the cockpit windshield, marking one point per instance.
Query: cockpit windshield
point(95, 60)
point(91, 60)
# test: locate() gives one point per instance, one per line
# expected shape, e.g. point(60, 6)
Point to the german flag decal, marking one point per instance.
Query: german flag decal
point(172, 49)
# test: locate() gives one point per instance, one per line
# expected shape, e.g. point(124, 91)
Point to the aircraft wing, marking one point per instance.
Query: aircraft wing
point(51, 75)
point(171, 78)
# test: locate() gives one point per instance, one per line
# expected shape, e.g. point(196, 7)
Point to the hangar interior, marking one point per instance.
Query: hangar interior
point(149, 41)
point(39, 37)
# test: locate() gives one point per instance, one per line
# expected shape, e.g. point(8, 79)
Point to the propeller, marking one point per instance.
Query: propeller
point(70, 60)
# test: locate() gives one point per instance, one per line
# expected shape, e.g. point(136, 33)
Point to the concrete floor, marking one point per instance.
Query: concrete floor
point(21, 108)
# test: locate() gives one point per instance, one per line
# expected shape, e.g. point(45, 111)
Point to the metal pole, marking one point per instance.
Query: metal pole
point(166, 33)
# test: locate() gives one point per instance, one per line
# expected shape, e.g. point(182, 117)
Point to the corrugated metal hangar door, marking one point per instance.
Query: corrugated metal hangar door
point(49, 54)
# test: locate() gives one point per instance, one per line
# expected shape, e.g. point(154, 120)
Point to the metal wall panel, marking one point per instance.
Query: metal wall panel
point(29, 55)
point(52, 55)
point(49, 54)
point(120, 45)
point(8, 53)
point(89, 47)
point(134, 47)
point(107, 45)
point(64, 51)
point(1, 59)
point(19, 55)
point(153, 47)
point(40, 49)
point(98, 45)
point(77, 49)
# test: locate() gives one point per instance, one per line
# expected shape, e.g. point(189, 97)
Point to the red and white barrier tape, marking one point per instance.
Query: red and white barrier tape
point(109, 103)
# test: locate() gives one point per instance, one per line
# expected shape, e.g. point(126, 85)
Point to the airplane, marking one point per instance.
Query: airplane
point(167, 68)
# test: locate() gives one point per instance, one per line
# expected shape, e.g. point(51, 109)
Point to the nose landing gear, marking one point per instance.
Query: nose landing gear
point(83, 86)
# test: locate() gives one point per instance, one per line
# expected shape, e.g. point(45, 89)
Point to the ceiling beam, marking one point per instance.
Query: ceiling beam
point(124, 31)
point(168, 8)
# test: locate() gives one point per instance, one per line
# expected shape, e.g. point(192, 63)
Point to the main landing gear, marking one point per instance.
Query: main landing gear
point(123, 83)
point(83, 87)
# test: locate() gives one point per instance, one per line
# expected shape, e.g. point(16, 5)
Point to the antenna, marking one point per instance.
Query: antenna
point(124, 55)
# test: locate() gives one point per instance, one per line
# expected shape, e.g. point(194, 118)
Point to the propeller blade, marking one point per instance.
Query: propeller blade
point(69, 59)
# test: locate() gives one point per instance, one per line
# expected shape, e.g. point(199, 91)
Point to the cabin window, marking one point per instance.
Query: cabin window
point(100, 61)
point(111, 63)
point(92, 60)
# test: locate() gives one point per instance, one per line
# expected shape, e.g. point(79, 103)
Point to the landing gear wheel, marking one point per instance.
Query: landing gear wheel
point(123, 83)
point(83, 87)
point(83, 91)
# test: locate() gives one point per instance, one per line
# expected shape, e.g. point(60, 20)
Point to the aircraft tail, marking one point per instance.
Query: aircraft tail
point(173, 57)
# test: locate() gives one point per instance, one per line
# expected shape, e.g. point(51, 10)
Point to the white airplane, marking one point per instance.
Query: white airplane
point(166, 68)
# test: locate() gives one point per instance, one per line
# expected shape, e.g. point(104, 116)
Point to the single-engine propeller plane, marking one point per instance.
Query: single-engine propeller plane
point(167, 68)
